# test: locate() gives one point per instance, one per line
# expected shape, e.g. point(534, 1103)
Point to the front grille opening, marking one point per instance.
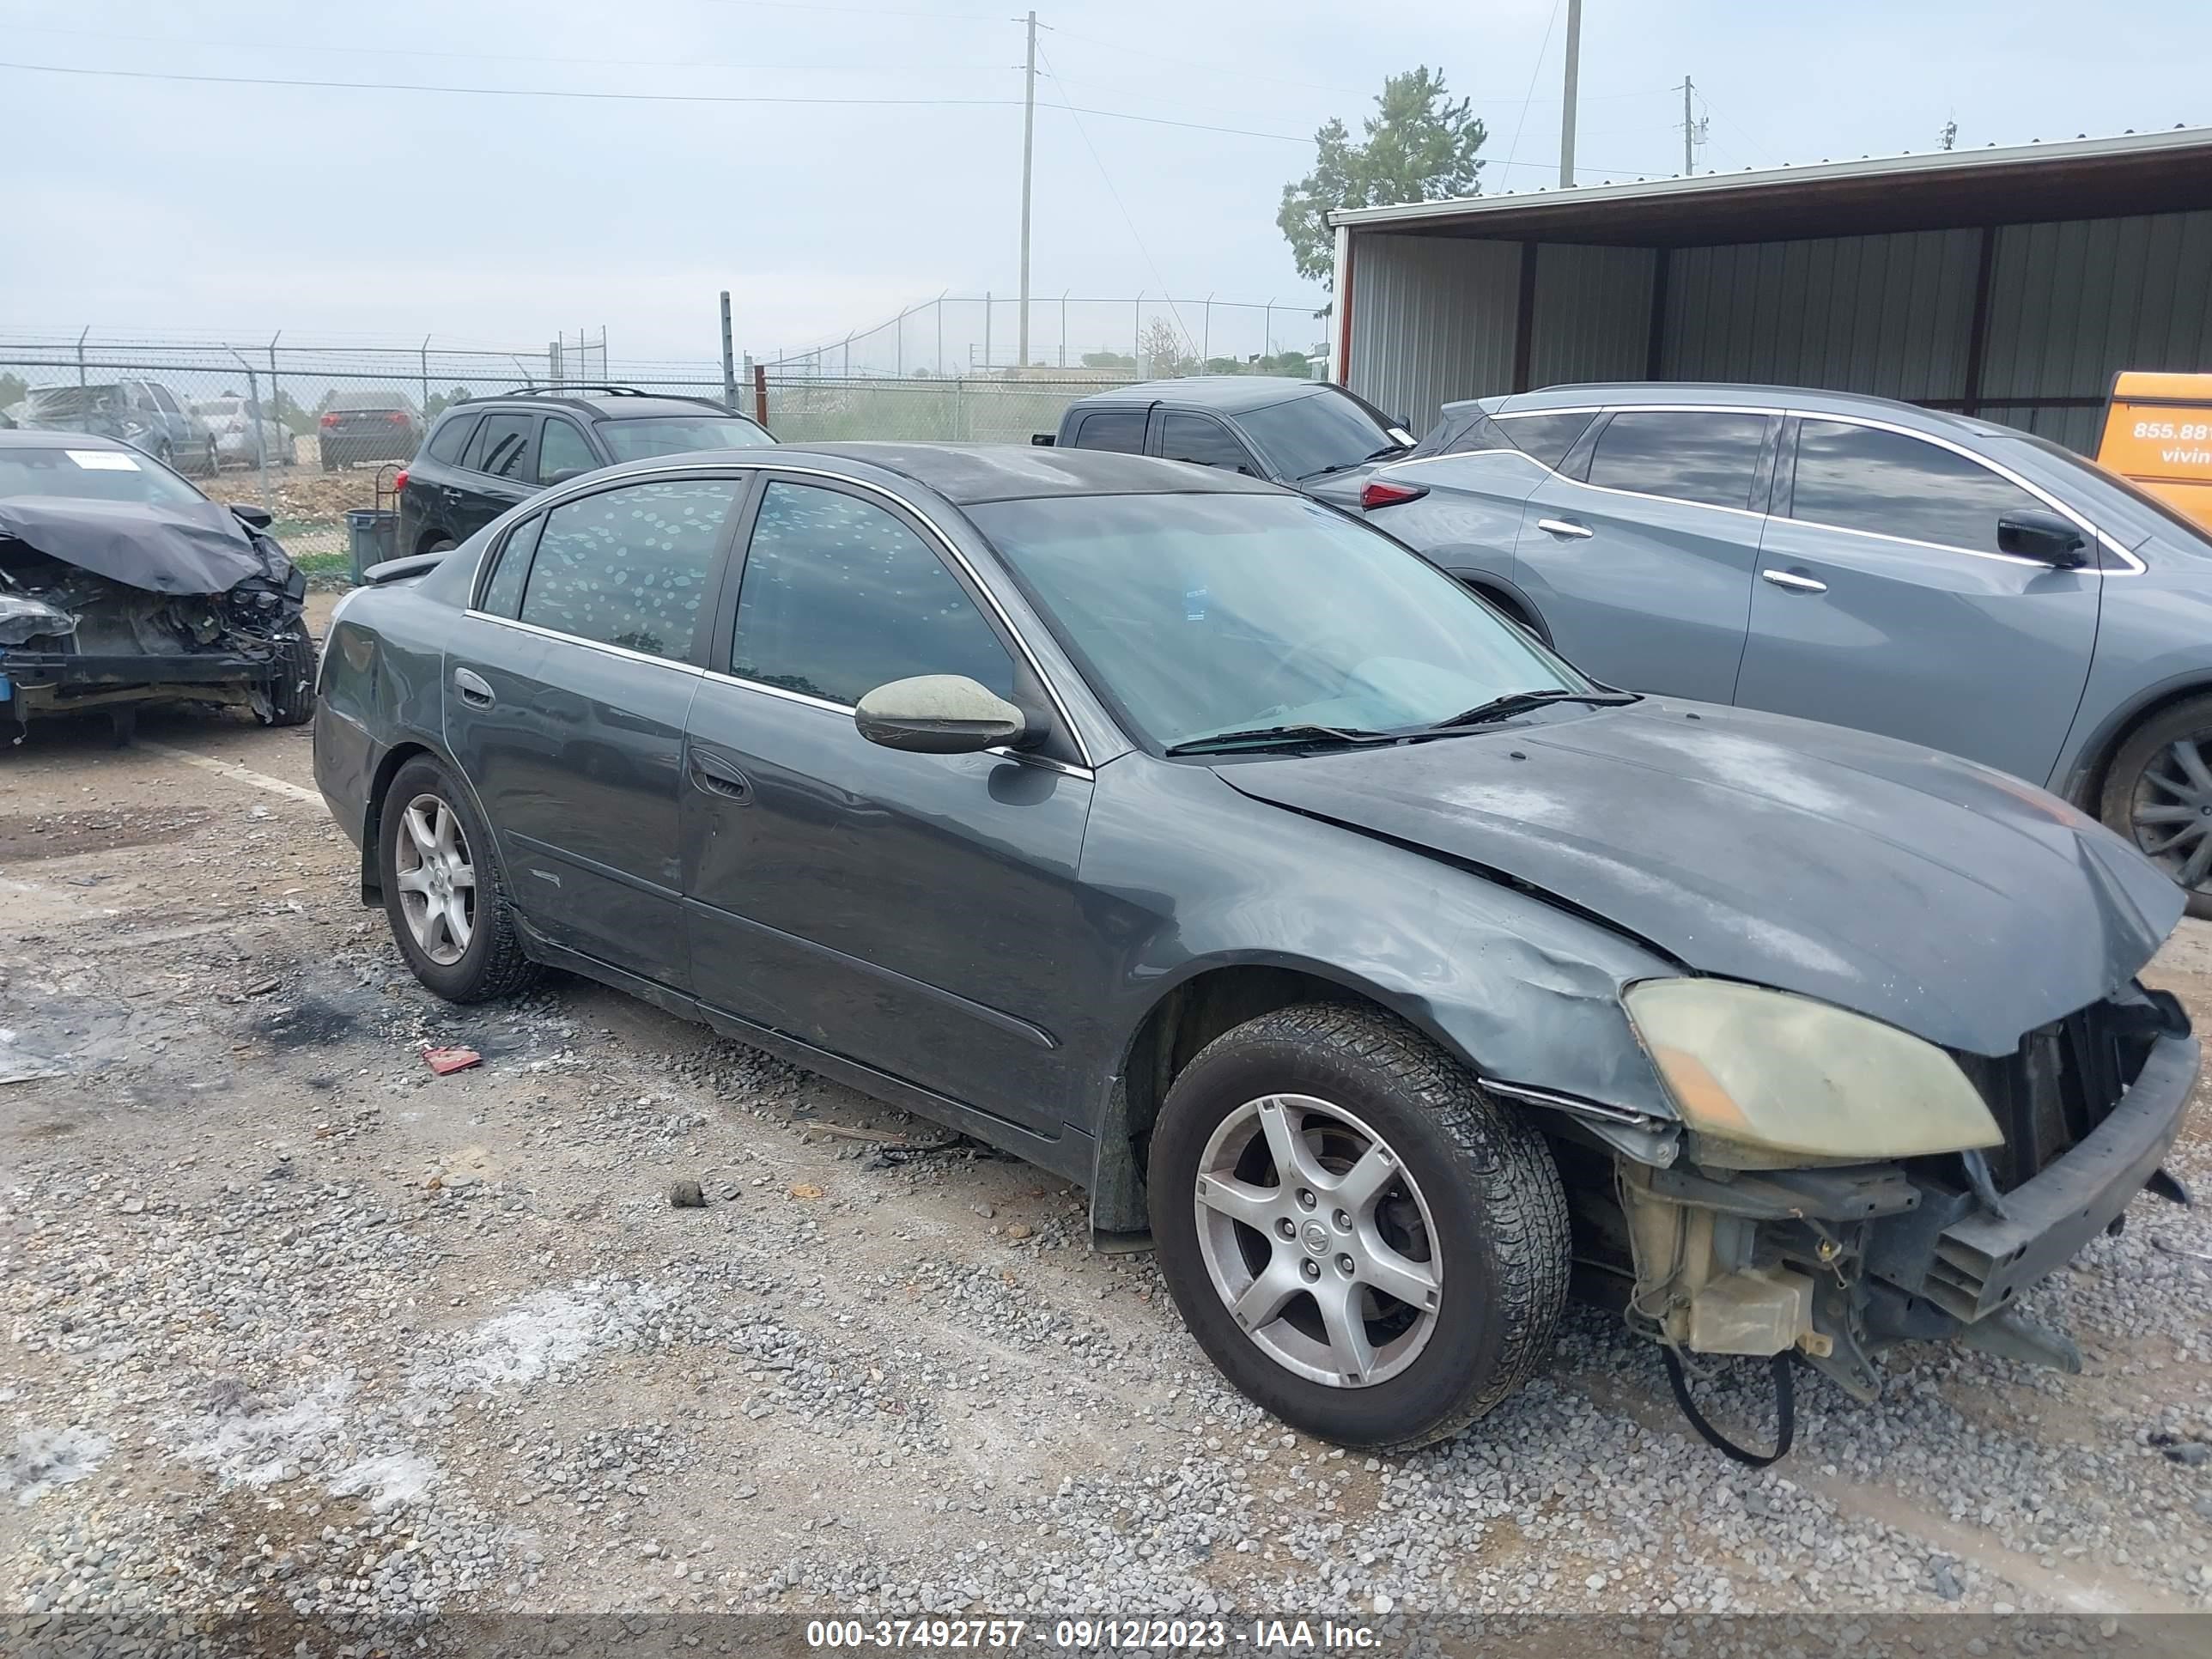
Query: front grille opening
point(2061, 1082)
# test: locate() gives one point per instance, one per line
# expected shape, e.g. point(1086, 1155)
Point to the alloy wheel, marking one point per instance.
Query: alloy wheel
point(2171, 811)
point(1318, 1241)
point(437, 879)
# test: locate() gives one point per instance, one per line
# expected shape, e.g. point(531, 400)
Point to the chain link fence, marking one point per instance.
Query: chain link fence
point(311, 432)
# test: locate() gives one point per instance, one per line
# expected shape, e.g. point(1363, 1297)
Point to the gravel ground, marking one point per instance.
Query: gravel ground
point(296, 1327)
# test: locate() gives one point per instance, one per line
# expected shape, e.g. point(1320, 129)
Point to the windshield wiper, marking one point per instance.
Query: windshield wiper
point(1514, 702)
point(1260, 736)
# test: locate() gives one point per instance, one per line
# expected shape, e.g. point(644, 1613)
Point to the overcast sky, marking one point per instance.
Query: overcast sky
point(146, 205)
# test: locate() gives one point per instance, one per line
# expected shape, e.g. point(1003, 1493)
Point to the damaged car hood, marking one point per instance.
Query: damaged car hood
point(202, 550)
point(1944, 898)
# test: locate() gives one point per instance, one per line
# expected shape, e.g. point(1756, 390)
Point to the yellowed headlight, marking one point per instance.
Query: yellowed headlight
point(1792, 1077)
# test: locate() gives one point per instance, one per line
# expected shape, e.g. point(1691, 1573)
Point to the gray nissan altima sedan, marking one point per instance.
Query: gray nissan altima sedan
point(1207, 848)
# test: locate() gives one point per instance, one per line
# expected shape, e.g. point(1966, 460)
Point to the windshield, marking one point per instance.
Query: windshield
point(97, 475)
point(1205, 614)
point(675, 435)
point(1321, 432)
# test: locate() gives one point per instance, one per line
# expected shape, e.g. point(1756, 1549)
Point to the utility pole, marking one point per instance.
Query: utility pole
point(1029, 145)
point(1693, 131)
point(729, 359)
point(1567, 108)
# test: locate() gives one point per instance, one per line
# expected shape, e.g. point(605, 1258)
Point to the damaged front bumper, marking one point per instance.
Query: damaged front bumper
point(1838, 1263)
point(59, 682)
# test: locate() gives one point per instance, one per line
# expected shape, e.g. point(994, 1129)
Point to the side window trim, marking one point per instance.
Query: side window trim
point(1026, 665)
point(1799, 417)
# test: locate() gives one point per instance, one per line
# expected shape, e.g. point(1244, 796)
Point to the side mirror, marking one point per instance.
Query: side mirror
point(938, 714)
point(1044, 440)
point(257, 517)
point(2048, 538)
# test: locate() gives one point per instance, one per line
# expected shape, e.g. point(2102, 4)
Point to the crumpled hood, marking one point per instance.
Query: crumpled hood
point(202, 550)
point(1946, 899)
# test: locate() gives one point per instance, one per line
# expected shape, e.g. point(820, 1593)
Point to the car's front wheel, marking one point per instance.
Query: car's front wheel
point(2158, 794)
point(1362, 1242)
point(292, 687)
point(444, 893)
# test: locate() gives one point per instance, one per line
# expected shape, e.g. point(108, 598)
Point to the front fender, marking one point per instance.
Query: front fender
point(1521, 989)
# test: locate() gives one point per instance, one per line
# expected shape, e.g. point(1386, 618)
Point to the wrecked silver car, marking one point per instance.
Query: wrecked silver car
point(121, 585)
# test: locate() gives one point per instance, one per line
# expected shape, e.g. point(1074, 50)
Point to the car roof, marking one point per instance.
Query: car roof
point(968, 474)
point(1722, 393)
point(48, 438)
point(627, 407)
point(1227, 394)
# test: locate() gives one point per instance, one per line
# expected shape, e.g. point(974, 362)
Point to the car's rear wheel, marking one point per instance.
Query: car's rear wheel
point(2158, 794)
point(1362, 1242)
point(444, 893)
point(291, 688)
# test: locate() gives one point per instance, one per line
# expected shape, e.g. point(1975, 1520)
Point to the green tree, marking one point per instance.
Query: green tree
point(13, 390)
point(1419, 146)
point(1109, 360)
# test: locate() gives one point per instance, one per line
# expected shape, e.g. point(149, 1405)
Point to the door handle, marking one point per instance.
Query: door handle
point(1792, 582)
point(475, 689)
point(718, 777)
point(1566, 527)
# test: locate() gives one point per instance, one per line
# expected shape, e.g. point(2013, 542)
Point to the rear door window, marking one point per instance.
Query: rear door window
point(628, 567)
point(1121, 430)
point(1202, 438)
point(502, 446)
point(451, 442)
point(1709, 456)
point(1861, 477)
point(162, 400)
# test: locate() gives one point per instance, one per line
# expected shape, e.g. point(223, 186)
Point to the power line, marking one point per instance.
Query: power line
point(1550, 23)
point(630, 97)
point(1107, 179)
point(492, 56)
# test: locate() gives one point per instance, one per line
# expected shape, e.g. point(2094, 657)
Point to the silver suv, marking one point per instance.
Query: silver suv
point(1927, 576)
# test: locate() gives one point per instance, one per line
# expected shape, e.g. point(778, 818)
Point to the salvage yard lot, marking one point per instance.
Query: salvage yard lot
point(294, 1324)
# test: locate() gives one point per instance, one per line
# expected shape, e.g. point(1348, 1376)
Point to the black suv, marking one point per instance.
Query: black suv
point(485, 455)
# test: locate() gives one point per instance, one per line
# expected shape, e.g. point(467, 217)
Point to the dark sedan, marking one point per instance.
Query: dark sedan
point(1207, 848)
point(357, 427)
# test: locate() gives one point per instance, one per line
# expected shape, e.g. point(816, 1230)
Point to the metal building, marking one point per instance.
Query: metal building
point(2009, 283)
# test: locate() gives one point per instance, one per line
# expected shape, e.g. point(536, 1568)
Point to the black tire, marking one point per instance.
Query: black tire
point(2130, 786)
point(1496, 1229)
point(492, 965)
point(292, 691)
point(442, 544)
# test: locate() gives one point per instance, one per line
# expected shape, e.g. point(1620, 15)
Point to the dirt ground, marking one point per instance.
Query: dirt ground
point(293, 1323)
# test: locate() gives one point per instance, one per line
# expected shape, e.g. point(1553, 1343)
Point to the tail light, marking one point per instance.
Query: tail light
point(1379, 493)
point(398, 482)
point(397, 418)
point(330, 420)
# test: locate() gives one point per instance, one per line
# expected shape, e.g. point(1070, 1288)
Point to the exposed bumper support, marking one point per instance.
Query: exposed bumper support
point(1982, 1262)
